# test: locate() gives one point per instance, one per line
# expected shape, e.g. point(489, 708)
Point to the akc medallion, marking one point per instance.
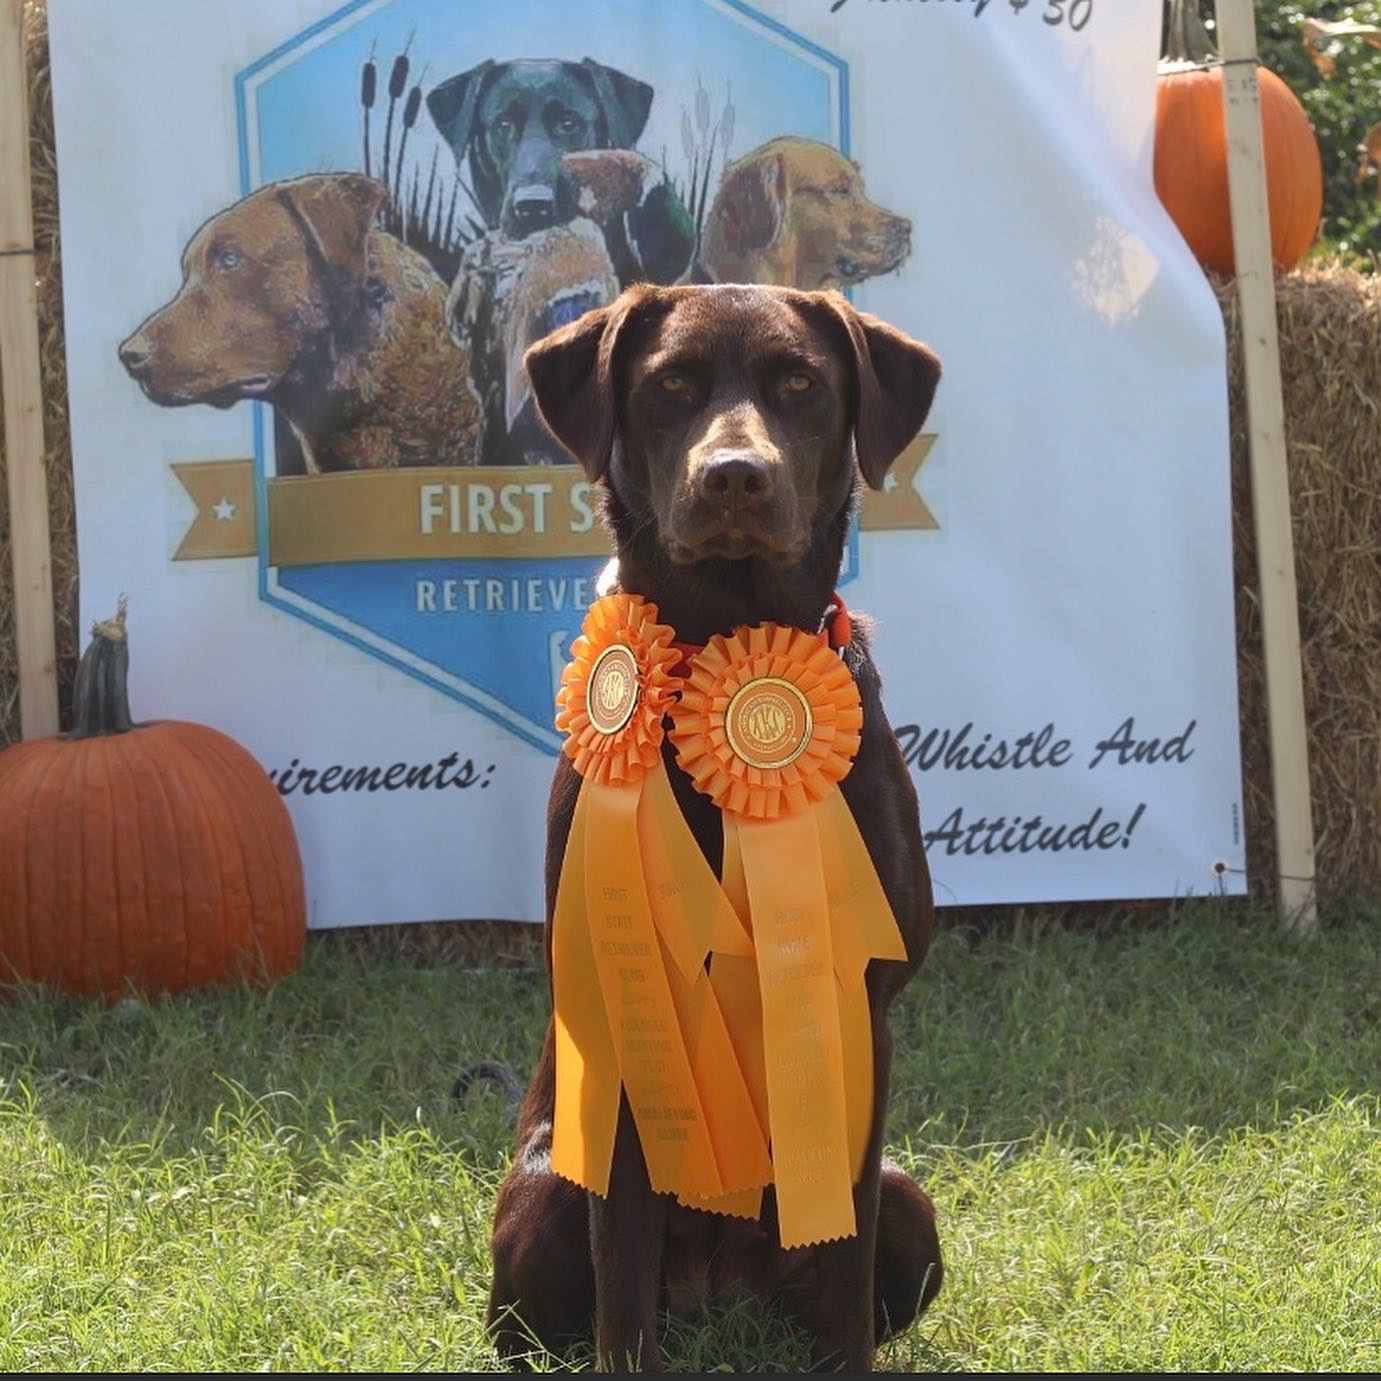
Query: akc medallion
point(768, 723)
point(613, 689)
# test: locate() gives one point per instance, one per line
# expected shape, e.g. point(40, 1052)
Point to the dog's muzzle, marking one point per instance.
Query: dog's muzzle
point(738, 508)
point(533, 207)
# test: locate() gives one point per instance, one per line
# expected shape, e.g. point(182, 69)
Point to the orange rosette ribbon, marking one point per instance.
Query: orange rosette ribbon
point(767, 725)
point(638, 910)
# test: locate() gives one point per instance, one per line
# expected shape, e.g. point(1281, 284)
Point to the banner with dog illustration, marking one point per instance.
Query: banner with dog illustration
point(306, 245)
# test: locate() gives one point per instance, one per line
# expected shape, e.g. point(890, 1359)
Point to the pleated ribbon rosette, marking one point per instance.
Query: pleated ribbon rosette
point(638, 910)
point(767, 725)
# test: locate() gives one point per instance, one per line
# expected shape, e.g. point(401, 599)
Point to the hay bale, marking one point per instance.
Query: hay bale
point(1330, 330)
point(53, 365)
point(1330, 346)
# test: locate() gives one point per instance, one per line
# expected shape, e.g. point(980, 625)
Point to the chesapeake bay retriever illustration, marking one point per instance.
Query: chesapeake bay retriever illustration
point(513, 123)
point(295, 297)
point(793, 214)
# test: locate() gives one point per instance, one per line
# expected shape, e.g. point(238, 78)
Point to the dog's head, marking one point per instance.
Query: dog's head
point(730, 423)
point(262, 283)
point(514, 121)
point(801, 205)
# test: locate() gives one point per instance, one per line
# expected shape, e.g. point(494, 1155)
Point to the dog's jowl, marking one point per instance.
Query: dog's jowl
point(731, 428)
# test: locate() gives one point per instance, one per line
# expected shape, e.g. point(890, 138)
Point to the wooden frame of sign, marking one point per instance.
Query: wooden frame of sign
point(1270, 481)
point(23, 395)
point(1294, 830)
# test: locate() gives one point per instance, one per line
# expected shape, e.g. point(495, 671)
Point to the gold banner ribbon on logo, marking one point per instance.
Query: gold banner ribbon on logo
point(444, 512)
point(454, 511)
point(223, 491)
point(899, 506)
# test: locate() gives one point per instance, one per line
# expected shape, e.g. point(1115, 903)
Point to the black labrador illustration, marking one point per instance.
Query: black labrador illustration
point(513, 123)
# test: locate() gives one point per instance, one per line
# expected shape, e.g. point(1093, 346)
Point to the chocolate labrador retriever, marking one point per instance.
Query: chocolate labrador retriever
point(730, 427)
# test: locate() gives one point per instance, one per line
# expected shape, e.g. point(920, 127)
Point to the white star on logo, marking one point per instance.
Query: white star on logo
point(224, 511)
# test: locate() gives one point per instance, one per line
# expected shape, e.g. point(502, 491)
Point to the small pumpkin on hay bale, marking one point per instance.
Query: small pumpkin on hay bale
point(1191, 157)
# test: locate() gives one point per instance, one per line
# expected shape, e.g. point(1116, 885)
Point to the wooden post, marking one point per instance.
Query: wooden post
point(1270, 482)
point(23, 395)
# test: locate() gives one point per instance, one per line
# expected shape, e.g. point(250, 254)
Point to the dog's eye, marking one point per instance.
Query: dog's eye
point(799, 383)
point(672, 382)
point(228, 259)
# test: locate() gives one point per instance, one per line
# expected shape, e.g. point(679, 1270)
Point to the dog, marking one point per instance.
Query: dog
point(793, 213)
point(730, 427)
point(295, 297)
point(513, 123)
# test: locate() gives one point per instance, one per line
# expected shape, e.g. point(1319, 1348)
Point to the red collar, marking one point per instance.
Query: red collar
point(836, 633)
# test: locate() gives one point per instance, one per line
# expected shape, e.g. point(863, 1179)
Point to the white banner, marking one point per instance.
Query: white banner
point(304, 449)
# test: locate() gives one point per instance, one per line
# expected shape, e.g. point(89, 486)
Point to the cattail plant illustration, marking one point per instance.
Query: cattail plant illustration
point(368, 78)
point(410, 109)
point(397, 81)
point(701, 142)
point(421, 213)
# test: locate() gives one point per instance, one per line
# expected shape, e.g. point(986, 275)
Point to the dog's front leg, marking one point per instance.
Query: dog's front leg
point(835, 1304)
point(840, 1318)
point(627, 1230)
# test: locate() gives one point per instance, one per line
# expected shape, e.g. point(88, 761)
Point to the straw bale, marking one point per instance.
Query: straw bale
point(1330, 339)
point(1330, 330)
point(53, 367)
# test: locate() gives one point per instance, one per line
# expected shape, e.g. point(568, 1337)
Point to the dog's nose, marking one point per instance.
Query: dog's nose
point(134, 353)
point(736, 477)
point(534, 207)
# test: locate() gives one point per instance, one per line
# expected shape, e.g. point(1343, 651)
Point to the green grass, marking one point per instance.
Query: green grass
point(1156, 1147)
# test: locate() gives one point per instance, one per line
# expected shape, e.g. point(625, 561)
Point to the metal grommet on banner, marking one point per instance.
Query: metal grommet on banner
point(1209, 64)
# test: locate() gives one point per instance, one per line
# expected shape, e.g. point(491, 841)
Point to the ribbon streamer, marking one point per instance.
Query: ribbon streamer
point(767, 725)
point(771, 1041)
point(637, 912)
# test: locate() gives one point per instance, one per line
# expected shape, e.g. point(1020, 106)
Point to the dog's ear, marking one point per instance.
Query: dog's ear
point(624, 100)
point(895, 379)
point(452, 106)
point(751, 203)
point(572, 376)
point(335, 212)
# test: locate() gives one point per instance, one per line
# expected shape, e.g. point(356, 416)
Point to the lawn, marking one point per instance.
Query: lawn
point(1155, 1147)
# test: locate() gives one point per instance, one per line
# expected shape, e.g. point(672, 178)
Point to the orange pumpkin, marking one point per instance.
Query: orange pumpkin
point(156, 856)
point(1191, 165)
